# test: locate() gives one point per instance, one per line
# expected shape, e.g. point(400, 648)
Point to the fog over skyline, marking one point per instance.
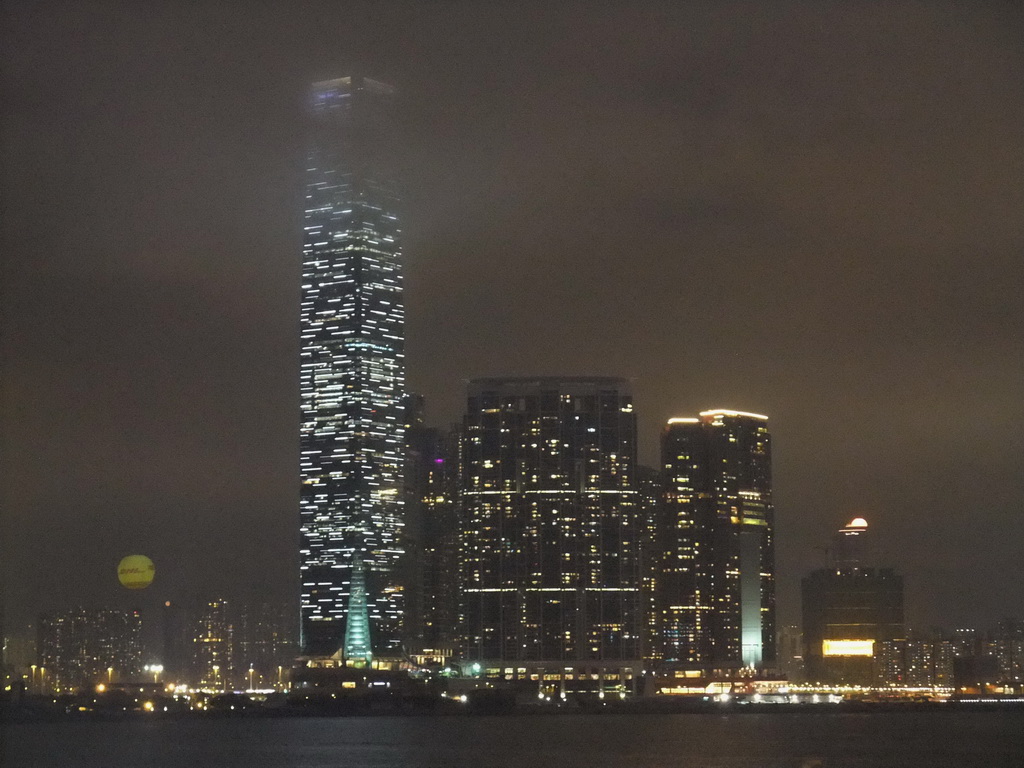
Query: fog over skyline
point(811, 210)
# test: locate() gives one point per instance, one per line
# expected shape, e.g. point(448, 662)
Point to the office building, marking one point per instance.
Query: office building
point(549, 531)
point(432, 497)
point(713, 564)
point(848, 610)
point(82, 648)
point(352, 370)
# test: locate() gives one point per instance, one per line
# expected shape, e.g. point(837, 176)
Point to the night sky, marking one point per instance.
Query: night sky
point(810, 210)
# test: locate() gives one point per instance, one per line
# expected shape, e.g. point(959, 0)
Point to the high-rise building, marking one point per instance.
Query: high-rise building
point(907, 662)
point(922, 659)
point(549, 530)
point(176, 642)
point(352, 368)
point(648, 484)
point(846, 614)
point(713, 561)
point(213, 646)
point(432, 494)
point(439, 576)
point(81, 647)
point(1008, 645)
point(413, 490)
point(849, 609)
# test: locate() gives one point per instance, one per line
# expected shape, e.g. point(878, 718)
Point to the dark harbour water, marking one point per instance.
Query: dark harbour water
point(983, 739)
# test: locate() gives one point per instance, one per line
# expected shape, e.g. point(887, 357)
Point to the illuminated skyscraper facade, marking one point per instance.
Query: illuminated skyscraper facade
point(352, 368)
point(713, 564)
point(549, 535)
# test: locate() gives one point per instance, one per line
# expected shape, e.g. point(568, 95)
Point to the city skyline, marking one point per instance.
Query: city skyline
point(811, 213)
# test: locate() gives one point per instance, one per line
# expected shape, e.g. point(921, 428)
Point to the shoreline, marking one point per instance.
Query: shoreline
point(47, 710)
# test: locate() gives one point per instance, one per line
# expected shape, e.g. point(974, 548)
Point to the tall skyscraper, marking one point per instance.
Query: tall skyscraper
point(849, 609)
point(713, 563)
point(352, 369)
point(549, 550)
point(432, 495)
point(847, 612)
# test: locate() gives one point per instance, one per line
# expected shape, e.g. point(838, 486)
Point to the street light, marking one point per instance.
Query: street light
point(156, 669)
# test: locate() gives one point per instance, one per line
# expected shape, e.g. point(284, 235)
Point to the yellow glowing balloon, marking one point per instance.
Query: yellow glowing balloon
point(136, 572)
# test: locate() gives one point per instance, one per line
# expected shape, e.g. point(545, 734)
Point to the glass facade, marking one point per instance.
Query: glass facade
point(712, 569)
point(549, 537)
point(352, 367)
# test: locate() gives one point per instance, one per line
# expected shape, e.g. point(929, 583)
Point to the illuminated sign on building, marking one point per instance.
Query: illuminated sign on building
point(847, 647)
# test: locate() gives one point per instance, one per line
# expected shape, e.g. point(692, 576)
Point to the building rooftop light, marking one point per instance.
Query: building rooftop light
point(727, 412)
